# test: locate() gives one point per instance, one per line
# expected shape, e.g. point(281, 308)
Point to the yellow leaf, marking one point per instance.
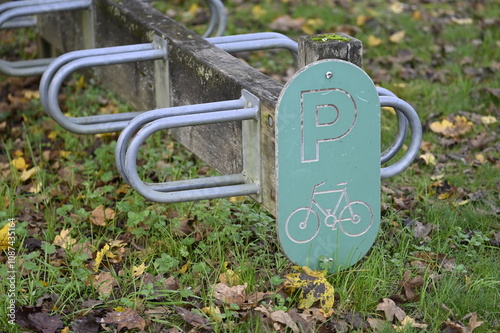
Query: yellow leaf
point(6, 232)
point(313, 287)
point(184, 267)
point(26, 174)
point(487, 120)
point(397, 37)
point(138, 270)
point(213, 311)
point(99, 256)
point(65, 330)
point(258, 12)
point(31, 94)
point(119, 309)
point(19, 163)
point(396, 7)
point(428, 158)
point(481, 159)
point(64, 153)
point(417, 15)
point(361, 19)
point(312, 25)
point(52, 135)
point(193, 9)
point(374, 41)
point(459, 126)
point(230, 278)
point(64, 239)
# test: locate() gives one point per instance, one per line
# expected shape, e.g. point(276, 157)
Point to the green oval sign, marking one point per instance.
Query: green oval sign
point(328, 165)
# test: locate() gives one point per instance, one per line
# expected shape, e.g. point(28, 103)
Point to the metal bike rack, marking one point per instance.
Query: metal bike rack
point(66, 64)
point(15, 14)
point(245, 109)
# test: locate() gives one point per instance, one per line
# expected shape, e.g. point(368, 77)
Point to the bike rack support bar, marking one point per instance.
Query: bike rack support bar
point(196, 189)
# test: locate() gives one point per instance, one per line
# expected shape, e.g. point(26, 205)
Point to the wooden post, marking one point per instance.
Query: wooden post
point(329, 46)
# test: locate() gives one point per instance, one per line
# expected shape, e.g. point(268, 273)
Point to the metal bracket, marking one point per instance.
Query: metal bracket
point(245, 109)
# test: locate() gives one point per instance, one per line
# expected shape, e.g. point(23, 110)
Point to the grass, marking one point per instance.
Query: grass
point(451, 70)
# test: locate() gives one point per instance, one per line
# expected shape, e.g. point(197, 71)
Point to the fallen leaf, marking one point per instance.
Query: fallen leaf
point(408, 321)
point(409, 286)
point(458, 127)
point(5, 242)
point(100, 215)
point(228, 295)
point(397, 37)
point(396, 7)
point(428, 158)
point(286, 23)
point(213, 311)
point(64, 239)
point(104, 283)
point(28, 173)
point(138, 270)
point(421, 230)
point(487, 120)
point(99, 256)
point(31, 317)
point(284, 318)
point(374, 41)
point(461, 328)
point(313, 287)
point(462, 21)
point(258, 12)
point(193, 319)
point(391, 310)
point(86, 324)
point(19, 163)
point(125, 319)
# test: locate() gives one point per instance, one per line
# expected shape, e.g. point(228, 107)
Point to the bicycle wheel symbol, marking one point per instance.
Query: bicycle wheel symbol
point(302, 225)
point(356, 218)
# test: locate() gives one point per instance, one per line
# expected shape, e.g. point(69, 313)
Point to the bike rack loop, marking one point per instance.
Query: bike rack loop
point(20, 9)
point(245, 109)
point(416, 135)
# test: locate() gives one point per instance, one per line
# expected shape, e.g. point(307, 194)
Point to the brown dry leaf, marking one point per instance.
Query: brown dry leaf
point(193, 319)
point(100, 215)
point(287, 23)
point(104, 283)
point(64, 239)
point(409, 285)
point(391, 310)
point(461, 328)
point(125, 319)
point(421, 230)
point(228, 295)
point(284, 318)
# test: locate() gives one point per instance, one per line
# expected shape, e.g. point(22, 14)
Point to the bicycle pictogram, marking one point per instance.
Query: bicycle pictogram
point(354, 219)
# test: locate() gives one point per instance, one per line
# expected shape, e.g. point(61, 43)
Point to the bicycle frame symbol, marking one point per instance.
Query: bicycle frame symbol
point(355, 217)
